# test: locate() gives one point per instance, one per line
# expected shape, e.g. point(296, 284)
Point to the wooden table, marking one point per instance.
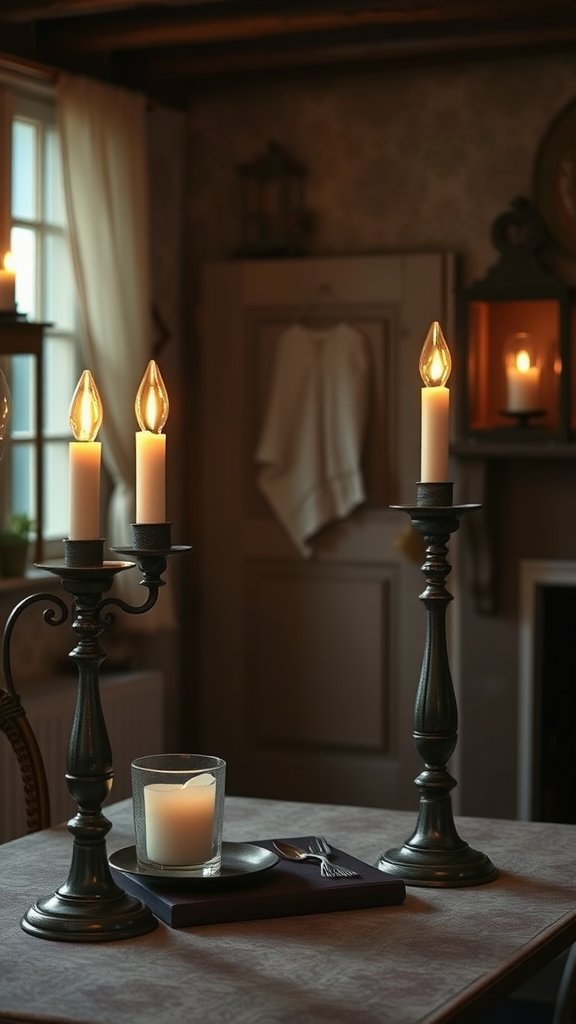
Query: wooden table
point(440, 956)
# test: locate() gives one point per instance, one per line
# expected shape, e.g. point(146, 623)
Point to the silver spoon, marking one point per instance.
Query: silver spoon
point(328, 869)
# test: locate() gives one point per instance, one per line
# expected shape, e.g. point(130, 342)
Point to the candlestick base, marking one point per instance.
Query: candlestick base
point(68, 919)
point(435, 855)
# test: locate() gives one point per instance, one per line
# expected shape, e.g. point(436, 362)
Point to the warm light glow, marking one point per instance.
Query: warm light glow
point(85, 409)
point(9, 262)
point(4, 408)
point(151, 405)
point(522, 361)
point(435, 360)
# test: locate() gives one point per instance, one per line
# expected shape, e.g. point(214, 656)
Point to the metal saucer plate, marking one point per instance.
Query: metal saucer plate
point(239, 862)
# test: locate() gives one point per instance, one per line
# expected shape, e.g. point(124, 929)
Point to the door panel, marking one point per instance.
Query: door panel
point(309, 667)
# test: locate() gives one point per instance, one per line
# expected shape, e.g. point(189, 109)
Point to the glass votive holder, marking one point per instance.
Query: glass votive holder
point(179, 812)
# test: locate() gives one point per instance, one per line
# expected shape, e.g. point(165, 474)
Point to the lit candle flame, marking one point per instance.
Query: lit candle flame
point(85, 409)
point(9, 263)
point(435, 360)
point(152, 405)
point(522, 361)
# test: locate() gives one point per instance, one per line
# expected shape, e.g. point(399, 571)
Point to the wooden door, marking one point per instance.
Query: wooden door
point(309, 666)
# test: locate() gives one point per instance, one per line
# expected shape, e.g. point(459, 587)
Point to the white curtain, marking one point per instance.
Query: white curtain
point(104, 161)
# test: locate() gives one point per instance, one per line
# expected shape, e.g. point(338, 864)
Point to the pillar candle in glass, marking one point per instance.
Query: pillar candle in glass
point(435, 366)
point(151, 407)
point(85, 458)
point(522, 384)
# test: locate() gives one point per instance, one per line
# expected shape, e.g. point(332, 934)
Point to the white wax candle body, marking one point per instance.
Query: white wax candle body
point(85, 458)
point(435, 434)
point(523, 389)
point(7, 289)
point(150, 477)
point(179, 823)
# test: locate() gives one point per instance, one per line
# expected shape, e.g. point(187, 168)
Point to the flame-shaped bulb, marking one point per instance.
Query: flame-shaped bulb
point(152, 405)
point(85, 414)
point(435, 360)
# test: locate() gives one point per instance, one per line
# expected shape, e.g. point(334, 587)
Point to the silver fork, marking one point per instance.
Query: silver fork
point(320, 847)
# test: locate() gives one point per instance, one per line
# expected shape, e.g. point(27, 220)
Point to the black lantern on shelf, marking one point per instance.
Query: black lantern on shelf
point(514, 327)
point(274, 219)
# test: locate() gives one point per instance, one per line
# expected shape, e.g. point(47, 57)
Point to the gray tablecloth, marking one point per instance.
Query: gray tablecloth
point(424, 961)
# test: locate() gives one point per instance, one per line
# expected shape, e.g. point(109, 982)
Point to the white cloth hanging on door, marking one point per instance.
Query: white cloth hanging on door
point(310, 447)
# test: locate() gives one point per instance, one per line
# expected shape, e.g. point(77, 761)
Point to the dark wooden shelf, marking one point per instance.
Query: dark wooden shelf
point(509, 449)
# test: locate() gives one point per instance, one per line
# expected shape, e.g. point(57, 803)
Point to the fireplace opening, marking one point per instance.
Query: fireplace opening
point(554, 704)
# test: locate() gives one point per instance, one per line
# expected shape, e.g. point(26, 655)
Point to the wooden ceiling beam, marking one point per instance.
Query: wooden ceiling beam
point(137, 28)
point(188, 65)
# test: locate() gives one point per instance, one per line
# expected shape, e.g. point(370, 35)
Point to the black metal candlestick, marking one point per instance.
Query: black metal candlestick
point(89, 906)
point(435, 855)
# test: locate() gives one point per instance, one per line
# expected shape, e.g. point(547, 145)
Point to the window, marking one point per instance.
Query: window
point(45, 292)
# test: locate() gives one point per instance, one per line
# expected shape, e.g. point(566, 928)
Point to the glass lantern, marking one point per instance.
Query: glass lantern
point(514, 330)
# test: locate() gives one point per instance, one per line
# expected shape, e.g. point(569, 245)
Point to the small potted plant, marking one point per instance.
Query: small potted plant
point(14, 541)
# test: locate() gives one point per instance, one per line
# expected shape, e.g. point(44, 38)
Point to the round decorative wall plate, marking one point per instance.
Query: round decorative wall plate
point(555, 178)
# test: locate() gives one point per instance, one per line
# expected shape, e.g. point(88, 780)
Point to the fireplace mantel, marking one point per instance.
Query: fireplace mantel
point(532, 575)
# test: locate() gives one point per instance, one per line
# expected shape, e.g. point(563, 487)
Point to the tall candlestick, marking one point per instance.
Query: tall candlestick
point(8, 284)
point(435, 366)
point(85, 457)
point(151, 407)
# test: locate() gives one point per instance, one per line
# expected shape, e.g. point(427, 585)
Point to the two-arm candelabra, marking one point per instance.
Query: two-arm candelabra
point(89, 906)
point(435, 855)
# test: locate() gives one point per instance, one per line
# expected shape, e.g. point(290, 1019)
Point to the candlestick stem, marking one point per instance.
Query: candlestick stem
point(435, 855)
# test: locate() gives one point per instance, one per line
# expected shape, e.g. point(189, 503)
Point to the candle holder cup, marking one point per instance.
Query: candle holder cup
point(178, 802)
point(435, 855)
point(89, 906)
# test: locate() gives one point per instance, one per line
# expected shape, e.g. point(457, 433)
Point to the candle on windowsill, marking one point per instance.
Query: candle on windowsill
point(8, 284)
point(435, 365)
point(151, 407)
point(84, 460)
point(180, 821)
point(522, 384)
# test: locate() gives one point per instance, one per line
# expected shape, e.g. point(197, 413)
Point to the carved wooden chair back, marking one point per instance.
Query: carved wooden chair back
point(15, 725)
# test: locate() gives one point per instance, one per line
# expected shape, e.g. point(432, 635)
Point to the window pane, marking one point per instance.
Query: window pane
point(24, 147)
point(53, 194)
point(23, 245)
point(23, 391)
point(23, 479)
point(56, 489)
point(60, 380)
point(59, 292)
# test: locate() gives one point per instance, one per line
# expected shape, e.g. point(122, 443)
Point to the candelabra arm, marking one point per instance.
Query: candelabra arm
point(130, 609)
point(50, 616)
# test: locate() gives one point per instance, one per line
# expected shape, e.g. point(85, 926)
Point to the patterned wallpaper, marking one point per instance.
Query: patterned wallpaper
point(419, 159)
point(409, 160)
